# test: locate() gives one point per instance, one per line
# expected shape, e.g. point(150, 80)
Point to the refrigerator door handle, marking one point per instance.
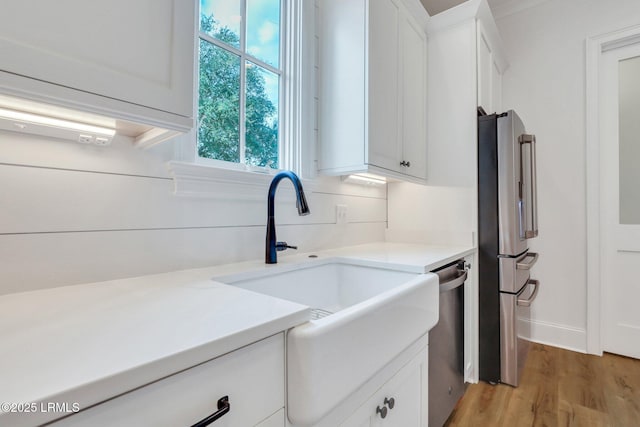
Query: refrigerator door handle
point(526, 302)
point(529, 193)
point(534, 189)
point(528, 265)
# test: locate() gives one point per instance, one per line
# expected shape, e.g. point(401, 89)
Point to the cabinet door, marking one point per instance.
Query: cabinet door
point(414, 97)
point(496, 87)
point(276, 420)
point(485, 66)
point(489, 74)
point(362, 417)
point(408, 389)
point(384, 148)
point(137, 51)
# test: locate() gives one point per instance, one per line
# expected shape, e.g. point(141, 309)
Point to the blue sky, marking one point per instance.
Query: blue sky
point(263, 31)
point(263, 21)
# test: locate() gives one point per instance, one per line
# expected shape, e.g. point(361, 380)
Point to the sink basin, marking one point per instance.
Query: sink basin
point(362, 317)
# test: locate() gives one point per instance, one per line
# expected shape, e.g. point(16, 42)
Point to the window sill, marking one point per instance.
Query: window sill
point(197, 180)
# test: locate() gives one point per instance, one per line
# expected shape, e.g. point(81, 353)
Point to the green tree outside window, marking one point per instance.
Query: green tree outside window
point(219, 104)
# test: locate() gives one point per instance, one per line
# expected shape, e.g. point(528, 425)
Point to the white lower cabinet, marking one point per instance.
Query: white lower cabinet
point(276, 420)
point(400, 402)
point(252, 378)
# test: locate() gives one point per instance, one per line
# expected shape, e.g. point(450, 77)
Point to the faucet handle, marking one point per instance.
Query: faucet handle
point(283, 246)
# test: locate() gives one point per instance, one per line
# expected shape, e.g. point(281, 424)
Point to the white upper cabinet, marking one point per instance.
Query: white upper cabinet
point(414, 98)
point(128, 59)
point(490, 65)
point(466, 64)
point(373, 88)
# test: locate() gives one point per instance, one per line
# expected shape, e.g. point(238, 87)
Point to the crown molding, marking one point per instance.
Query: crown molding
point(504, 8)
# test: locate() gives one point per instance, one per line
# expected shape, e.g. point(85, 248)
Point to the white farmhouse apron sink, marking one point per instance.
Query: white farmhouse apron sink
point(362, 317)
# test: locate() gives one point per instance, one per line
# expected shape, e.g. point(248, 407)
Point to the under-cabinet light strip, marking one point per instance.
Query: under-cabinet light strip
point(20, 116)
point(364, 180)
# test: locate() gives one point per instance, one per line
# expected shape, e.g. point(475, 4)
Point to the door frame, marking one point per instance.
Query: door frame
point(595, 47)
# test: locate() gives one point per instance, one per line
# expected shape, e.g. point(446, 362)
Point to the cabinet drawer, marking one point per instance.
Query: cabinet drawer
point(252, 377)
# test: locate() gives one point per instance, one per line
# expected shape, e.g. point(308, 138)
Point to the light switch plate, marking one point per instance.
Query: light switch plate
point(341, 214)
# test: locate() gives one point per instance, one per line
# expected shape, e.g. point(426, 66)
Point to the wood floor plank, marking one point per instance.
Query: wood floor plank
point(574, 415)
point(623, 379)
point(558, 388)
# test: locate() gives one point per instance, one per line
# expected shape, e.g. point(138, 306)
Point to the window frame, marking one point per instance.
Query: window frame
point(194, 175)
point(245, 57)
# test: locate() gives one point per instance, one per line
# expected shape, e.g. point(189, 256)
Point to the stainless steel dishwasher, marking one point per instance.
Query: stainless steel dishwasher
point(446, 345)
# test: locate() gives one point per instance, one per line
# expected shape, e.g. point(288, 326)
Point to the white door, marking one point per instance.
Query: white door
point(620, 200)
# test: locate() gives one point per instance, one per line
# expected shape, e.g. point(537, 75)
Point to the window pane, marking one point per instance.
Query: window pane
point(262, 117)
point(263, 30)
point(221, 19)
point(219, 104)
point(629, 143)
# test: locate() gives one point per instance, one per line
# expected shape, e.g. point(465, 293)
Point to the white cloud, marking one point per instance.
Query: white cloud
point(227, 12)
point(255, 51)
point(267, 32)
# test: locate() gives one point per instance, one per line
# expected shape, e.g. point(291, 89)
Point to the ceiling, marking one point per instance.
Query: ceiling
point(437, 6)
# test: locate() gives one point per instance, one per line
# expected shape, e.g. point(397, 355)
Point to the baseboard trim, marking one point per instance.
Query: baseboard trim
point(557, 335)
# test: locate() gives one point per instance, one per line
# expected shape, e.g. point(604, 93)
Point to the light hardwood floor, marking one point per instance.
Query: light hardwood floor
point(558, 388)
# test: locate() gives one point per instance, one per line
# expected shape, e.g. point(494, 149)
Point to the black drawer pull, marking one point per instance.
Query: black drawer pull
point(223, 407)
point(382, 411)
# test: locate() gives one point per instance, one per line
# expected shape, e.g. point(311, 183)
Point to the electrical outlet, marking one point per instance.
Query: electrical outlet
point(85, 139)
point(94, 140)
point(100, 140)
point(341, 214)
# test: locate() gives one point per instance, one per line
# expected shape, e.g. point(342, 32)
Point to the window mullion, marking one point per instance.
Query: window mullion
point(243, 104)
point(243, 82)
point(264, 65)
point(290, 136)
point(206, 37)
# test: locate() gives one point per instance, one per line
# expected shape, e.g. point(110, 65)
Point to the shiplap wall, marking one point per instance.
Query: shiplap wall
point(71, 213)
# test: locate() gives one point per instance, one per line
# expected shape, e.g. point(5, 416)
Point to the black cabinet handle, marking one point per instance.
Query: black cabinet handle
point(382, 411)
point(223, 407)
point(407, 164)
point(390, 402)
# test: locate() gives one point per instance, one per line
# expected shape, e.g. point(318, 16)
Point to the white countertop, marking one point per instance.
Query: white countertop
point(86, 343)
point(409, 257)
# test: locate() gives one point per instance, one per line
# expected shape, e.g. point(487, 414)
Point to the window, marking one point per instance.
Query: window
point(240, 75)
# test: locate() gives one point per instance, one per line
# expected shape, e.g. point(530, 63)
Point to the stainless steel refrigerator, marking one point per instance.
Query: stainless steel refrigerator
point(507, 219)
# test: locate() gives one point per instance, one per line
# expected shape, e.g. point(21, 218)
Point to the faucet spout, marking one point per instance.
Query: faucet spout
point(272, 246)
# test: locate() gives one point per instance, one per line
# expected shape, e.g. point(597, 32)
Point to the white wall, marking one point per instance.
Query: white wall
point(71, 213)
point(443, 212)
point(545, 83)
